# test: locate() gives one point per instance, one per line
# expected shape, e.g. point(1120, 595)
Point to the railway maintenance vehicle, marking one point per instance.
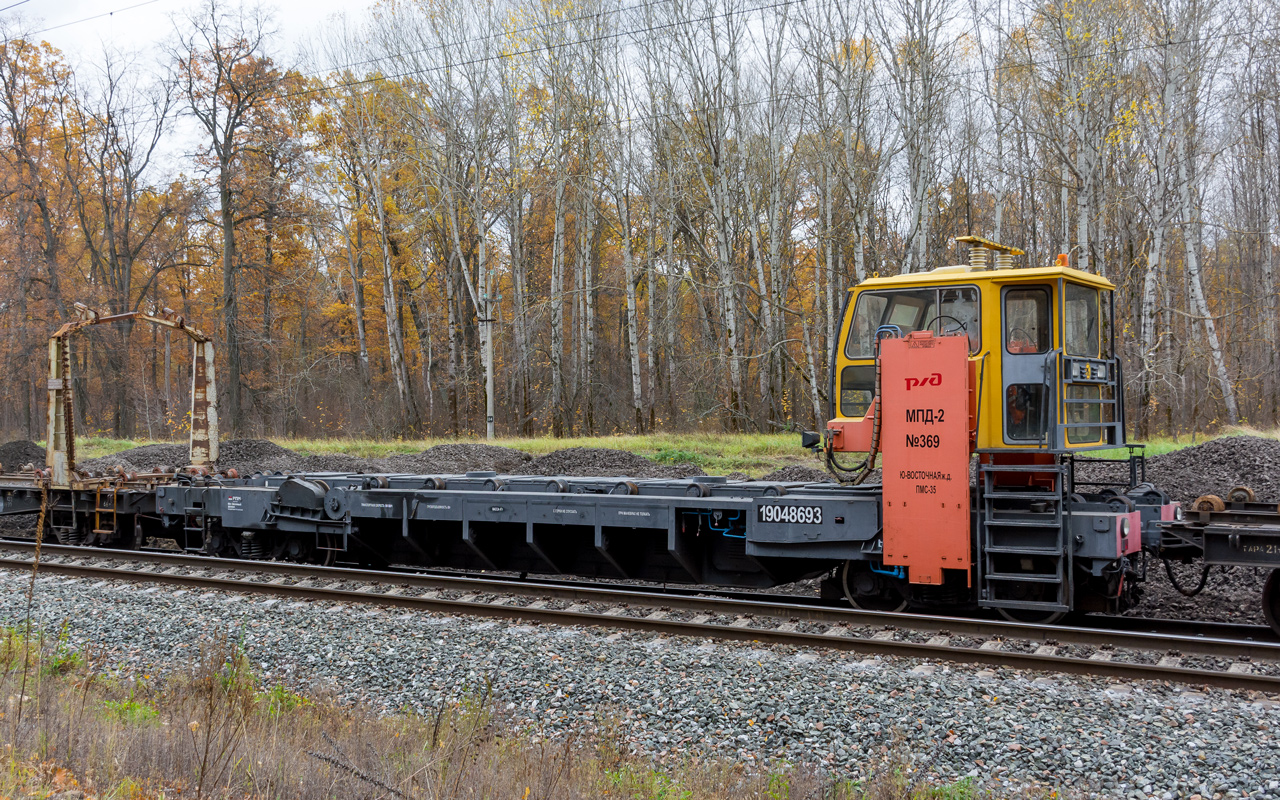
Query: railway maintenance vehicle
point(978, 389)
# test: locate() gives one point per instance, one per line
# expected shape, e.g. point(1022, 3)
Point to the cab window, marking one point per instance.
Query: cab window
point(959, 313)
point(1027, 327)
point(949, 310)
point(1080, 329)
point(857, 389)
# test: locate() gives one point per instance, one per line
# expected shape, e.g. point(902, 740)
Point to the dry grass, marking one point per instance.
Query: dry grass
point(210, 729)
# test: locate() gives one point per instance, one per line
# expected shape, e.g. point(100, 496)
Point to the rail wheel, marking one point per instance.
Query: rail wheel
point(1033, 616)
point(1271, 600)
point(872, 591)
point(327, 556)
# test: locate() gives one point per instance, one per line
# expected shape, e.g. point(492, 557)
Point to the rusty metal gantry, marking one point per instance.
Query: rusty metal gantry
point(60, 447)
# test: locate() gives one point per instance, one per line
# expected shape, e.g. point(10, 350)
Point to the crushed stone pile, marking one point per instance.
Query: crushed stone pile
point(601, 462)
point(17, 454)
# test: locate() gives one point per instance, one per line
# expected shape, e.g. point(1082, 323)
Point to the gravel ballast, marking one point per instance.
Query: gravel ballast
point(676, 696)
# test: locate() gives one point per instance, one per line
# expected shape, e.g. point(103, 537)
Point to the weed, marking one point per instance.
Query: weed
point(280, 701)
point(64, 659)
point(672, 455)
point(130, 712)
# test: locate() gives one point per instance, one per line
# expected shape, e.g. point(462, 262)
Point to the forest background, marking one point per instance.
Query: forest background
point(595, 216)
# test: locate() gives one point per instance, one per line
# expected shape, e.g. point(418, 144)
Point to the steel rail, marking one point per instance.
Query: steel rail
point(741, 604)
point(806, 607)
point(840, 636)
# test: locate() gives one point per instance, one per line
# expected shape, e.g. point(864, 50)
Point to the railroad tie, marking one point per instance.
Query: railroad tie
point(655, 616)
point(701, 619)
point(1101, 655)
point(786, 627)
point(992, 644)
point(939, 641)
point(536, 604)
point(883, 636)
point(741, 622)
point(612, 611)
point(1241, 668)
point(1047, 650)
point(1170, 660)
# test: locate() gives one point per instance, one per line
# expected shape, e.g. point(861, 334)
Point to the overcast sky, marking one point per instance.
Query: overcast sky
point(80, 27)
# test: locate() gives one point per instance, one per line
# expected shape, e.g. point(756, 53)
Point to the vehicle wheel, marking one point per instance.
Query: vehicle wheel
point(1271, 600)
point(327, 555)
point(1032, 616)
point(891, 596)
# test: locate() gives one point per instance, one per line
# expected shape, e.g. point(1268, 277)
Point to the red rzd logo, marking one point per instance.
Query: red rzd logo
point(933, 380)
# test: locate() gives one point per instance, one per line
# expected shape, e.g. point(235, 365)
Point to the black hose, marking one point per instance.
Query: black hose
point(870, 463)
point(1204, 578)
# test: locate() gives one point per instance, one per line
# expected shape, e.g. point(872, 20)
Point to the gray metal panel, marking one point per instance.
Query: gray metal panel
point(495, 508)
point(437, 506)
point(563, 511)
point(861, 521)
point(634, 515)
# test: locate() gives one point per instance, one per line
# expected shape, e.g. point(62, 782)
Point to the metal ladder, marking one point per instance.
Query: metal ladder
point(1023, 544)
point(190, 515)
point(98, 510)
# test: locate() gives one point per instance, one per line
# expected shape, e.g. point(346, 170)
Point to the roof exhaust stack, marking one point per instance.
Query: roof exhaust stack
point(978, 248)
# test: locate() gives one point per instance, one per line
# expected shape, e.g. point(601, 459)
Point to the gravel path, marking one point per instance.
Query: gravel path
point(672, 695)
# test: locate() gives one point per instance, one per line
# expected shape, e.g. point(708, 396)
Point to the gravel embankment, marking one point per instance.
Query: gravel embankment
point(673, 696)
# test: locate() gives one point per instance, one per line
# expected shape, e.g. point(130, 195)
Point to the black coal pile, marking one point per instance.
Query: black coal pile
point(800, 472)
point(1210, 468)
point(460, 457)
point(140, 459)
point(16, 455)
point(1231, 594)
point(601, 462)
point(248, 455)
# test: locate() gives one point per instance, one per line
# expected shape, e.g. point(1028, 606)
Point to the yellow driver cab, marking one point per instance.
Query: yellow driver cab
point(1041, 342)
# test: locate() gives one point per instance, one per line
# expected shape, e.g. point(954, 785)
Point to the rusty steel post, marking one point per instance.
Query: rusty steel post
point(59, 455)
point(204, 405)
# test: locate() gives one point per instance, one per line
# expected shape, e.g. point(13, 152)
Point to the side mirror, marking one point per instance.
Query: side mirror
point(810, 439)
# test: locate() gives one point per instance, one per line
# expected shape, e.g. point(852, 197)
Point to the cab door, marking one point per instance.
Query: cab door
point(1026, 362)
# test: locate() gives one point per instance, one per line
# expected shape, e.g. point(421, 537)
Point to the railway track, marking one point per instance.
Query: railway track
point(1235, 657)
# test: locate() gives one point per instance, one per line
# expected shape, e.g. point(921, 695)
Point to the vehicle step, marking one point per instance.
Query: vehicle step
point(1023, 523)
point(1030, 605)
point(996, 494)
point(1023, 551)
point(1027, 577)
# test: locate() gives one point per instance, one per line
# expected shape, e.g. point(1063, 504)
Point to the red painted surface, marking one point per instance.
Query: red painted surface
point(924, 383)
point(853, 435)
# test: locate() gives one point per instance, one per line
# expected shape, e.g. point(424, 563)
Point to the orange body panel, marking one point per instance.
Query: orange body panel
point(925, 441)
point(853, 435)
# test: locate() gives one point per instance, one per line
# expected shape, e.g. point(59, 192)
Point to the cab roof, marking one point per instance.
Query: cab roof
point(966, 274)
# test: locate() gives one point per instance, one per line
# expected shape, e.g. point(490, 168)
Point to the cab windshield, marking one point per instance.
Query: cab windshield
point(948, 310)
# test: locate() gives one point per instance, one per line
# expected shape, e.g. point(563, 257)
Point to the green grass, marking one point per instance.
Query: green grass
point(754, 454)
